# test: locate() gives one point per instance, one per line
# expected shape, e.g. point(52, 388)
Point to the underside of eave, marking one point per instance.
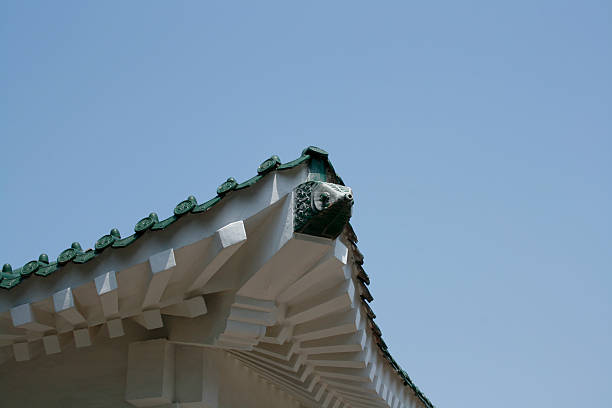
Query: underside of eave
point(326, 385)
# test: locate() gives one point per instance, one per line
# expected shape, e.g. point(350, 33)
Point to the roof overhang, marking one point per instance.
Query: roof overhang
point(257, 275)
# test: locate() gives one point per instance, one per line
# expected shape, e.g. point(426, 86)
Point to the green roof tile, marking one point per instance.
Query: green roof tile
point(185, 206)
point(122, 243)
point(69, 254)
point(84, 257)
point(29, 268)
point(229, 185)
point(164, 223)
point(294, 163)
point(249, 182)
point(268, 165)
point(46, 270)
point(145, 223)
point(75, 253)
point(107, 240)
point(206, 206)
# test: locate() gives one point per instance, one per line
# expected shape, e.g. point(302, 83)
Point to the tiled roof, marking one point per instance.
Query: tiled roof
point(43, 266)
point(319, 163)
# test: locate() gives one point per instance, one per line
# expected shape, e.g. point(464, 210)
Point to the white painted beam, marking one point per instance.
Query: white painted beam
point(335, 344)
point(330, 325)
point(322, 388)
point(305, 372)
point(226, 242)
point(269, 362)
point(338, 298)
point(149, 319)
point(252, 316)
point(21, 351)
point(66, 306)
point(115, 328)
point(351, 374)
point(108, 293)
point(162, 265)
point(250, 303)
point(294, 255)
point(292, 365)
point(346, 360)
point(314, 380)
point(277, 334)
point(327, 401)
point(278, 351)
point(243, 329)
point(329, 267)
point(194, 307)
point(107, 289)
point(364, 391)
point(83, 337)
point(51, 344)
point(30, 318)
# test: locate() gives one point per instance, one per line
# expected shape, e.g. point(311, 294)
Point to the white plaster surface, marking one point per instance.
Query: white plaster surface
point(51, 344)
point(106, 282)
point(283, 306)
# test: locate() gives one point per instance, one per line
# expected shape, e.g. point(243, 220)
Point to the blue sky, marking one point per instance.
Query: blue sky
point(477, 137)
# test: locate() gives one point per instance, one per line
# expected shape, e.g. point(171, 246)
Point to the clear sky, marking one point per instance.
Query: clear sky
point(477, 137)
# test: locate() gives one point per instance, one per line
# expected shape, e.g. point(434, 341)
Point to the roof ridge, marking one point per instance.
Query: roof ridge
point(9, 277)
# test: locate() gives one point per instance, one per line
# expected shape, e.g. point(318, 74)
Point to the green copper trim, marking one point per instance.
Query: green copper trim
point(104, 242)
point(318, 163)
point(268, 165)
point(164, 223)
point(249, 182)
point(8, 273)
point(185, 206)
point(315, 151)
point(317, 170)
point(48, 269)
point(84, 257)
point(114, 240)
point(66, 256)
point(206, 206)
point(69, 254)
point(145, 223)
point(294, 163)
point(107, 240)
point(226, 187)
point(29, 268)
point(9, 283)
point(122, 243)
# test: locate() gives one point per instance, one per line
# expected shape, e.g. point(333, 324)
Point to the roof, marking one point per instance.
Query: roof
point(320, 169)
point(151, 223)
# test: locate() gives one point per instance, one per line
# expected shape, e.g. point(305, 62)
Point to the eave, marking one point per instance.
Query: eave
point(208, 276)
